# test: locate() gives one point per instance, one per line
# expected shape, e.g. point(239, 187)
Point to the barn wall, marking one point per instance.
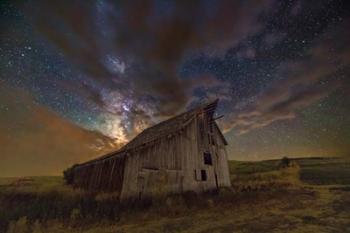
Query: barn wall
point(195, 160)
point(173, 164)
point(191, 158)
point(156, 169)
point(221, 164)
point(104, 175)
point(205, 140)
point(206, 137)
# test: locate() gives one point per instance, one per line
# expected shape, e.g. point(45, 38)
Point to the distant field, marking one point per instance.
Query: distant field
point(312, 195)
point(246, 168)
point(327, 171)
point(317, 171)
point(36, 184)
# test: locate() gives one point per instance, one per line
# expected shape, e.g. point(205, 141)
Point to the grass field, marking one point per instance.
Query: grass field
point(312, 195)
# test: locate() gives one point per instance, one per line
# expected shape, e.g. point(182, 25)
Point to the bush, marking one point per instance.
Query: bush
point(285, 162)
point(68, 175)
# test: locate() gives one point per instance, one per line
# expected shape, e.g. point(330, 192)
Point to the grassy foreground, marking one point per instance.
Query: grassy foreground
point(311, 195)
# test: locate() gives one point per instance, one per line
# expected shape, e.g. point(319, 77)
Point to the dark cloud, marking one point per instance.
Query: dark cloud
point(133, 52)
point(151, 44)
point(306, 82)
point(281, 108)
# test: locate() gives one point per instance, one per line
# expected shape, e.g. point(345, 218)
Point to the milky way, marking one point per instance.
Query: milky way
point(104, 71)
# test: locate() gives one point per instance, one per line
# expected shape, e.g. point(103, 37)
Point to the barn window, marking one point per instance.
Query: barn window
point(200, 175)
point(207, 158)
point(203, 175)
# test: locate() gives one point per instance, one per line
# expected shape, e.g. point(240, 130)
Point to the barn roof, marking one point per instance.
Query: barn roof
point(162, 129)
point(169, 126)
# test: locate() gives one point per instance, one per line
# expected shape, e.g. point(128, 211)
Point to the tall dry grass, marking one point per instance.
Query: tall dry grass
point(283, 177)
point(27, 209)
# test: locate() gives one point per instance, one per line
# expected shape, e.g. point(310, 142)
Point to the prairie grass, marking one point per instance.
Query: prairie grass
point(267, 180)
point(326, 171)
point(264, 198)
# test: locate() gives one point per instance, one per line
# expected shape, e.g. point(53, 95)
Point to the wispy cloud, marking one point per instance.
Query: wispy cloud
point(306, 82)
point(134, 50)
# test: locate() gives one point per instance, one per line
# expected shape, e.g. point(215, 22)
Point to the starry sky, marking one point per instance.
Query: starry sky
point(79, 79)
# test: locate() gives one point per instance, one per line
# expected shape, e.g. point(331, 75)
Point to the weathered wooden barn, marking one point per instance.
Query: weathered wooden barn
point(184, 153)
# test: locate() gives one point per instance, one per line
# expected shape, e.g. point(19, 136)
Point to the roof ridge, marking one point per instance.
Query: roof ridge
point(149, 129)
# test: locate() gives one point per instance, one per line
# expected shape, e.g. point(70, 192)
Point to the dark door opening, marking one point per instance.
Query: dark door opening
point(203, 175)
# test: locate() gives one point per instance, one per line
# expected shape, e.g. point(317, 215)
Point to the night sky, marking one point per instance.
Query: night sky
point(79, 79)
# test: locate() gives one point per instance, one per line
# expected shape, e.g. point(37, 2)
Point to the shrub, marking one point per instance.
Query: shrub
point(68, 175)
point(285, 162)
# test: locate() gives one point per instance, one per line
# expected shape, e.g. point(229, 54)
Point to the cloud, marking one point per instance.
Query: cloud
point(148, 44)
point(133, 52)
point(306, 82)
point(36, 141)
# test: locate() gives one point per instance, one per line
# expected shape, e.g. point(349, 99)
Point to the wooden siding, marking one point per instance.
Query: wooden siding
point(105, 175)
point(170, 164)
point(155, 169)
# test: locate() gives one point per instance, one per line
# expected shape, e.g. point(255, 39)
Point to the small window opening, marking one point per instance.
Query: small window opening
point(207, 158)
point(203, 175)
